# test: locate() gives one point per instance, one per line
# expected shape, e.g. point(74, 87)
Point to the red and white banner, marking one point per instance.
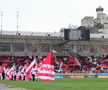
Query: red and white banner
point(24, 67)
point(46, 68)
point(29, 68)
point(10, 72)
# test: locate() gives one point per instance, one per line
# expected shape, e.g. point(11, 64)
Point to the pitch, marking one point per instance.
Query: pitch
point(61, 84)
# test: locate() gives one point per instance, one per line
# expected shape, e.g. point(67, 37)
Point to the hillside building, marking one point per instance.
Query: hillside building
point(98, 24)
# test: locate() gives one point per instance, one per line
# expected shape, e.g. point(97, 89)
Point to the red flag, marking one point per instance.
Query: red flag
point(46, 68)
point(10, 72)
point(24, 67)
point(29, 68)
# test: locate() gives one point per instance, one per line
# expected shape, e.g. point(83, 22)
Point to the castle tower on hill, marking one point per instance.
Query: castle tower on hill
point(97, 25)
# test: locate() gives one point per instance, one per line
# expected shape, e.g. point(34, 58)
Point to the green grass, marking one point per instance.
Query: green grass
point(62, 84)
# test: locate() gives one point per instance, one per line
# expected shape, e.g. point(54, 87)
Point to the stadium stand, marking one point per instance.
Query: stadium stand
point(63, 64)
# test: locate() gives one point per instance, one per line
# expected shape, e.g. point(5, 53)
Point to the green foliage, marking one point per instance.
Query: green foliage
point(99, 25)
point(61, 84)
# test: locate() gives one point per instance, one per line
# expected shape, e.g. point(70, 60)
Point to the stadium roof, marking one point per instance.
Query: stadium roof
point(25, 33)
point(53, 34)
point(99, 36)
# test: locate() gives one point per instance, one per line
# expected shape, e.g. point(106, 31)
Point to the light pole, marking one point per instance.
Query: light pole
point(17, 26)
point(1, 22)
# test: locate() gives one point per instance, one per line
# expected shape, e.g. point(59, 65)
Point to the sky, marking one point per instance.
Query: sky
point(46, 15)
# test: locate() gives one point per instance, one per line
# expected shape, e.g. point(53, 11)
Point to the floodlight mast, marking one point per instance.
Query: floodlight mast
point(17, 26)
point(1, 22)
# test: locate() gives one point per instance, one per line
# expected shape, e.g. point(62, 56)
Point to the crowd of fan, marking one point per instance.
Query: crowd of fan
point(62, 64)
point(81, 64)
